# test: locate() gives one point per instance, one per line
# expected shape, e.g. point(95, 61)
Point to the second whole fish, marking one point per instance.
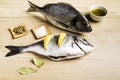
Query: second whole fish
point(72, 46)
point(64, 16)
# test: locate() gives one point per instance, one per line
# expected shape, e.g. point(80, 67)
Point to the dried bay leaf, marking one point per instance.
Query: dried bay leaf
point(38, 62)
point(26, 70)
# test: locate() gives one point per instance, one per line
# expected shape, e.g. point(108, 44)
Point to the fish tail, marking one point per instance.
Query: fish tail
point(13, 50)
point(33, 7)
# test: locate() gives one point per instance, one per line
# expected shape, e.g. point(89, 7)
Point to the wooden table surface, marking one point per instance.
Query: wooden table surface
point(102, 64)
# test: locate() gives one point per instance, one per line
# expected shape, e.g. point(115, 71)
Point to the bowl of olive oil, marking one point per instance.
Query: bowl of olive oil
point(97, 12)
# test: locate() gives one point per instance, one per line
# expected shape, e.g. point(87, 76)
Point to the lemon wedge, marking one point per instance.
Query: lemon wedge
point(47, 40)
point(61, 37)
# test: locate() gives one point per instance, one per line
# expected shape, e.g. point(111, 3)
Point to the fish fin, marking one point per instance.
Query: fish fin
point(63, 24)
point(60, 58)
point(33, 7)
point(66, 4)
point(13, 50)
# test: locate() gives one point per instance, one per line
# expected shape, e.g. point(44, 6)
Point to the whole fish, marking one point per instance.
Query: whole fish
point(72, 47)
point(64, 16)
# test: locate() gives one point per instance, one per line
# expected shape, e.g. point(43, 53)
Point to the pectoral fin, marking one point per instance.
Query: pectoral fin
point(63, 24)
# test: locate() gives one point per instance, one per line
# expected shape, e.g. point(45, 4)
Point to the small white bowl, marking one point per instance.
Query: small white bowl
point(97, 12)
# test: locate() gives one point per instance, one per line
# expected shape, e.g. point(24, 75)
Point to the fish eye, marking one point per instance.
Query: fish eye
point(81, 24)
point(76, 39)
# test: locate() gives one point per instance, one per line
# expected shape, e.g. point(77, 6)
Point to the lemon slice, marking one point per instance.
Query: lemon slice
point(61, 37)
point(47, 40)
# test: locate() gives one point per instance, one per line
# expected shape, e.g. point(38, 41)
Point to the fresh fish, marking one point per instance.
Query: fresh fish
point(64, 16)
point(72, 47)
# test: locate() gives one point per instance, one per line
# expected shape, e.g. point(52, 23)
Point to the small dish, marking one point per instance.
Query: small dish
point(97, 12)
point(41, 31)
point(19, 31)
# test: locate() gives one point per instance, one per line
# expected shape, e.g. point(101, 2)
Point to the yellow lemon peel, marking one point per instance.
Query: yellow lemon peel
point(60, 39)
point(47, 40)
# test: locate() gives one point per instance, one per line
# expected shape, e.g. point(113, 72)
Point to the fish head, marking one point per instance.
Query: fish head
point(83, 44)
point(75, 47)
point(81, 24)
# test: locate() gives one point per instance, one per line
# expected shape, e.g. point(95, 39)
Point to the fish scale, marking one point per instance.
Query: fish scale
point(60, 10)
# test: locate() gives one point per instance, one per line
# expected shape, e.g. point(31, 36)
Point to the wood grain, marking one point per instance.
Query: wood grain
point(102, 64)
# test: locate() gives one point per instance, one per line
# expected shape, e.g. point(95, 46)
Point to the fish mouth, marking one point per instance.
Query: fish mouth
point(85, 29)
point(89, 29)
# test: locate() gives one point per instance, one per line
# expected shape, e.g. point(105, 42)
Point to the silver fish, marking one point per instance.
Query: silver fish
point(64, 16)
point(71, 47)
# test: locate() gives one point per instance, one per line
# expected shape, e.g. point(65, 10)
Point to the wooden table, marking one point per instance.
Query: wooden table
point(102, 64)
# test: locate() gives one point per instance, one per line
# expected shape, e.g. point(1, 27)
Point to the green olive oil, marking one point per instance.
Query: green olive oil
point(98, 12)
